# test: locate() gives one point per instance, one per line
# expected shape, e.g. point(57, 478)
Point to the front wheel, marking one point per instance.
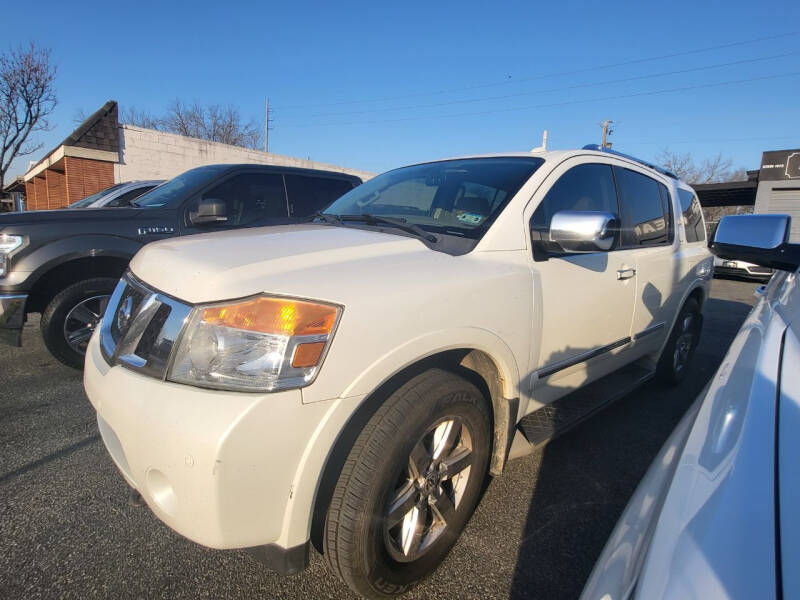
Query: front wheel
point(409, 485)
point(72, 316)
point(678, 353)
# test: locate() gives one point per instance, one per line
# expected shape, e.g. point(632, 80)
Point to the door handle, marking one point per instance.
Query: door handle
point(626, 273)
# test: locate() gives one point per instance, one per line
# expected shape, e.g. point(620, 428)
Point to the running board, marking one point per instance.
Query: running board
point(552, 420)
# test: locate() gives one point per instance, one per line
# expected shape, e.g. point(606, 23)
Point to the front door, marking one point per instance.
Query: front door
point(583, 303)
point(250, 199)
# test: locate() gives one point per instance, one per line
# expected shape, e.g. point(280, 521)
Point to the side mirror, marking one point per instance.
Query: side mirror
point(209, 210)
point(584, 231)
point(759, 239)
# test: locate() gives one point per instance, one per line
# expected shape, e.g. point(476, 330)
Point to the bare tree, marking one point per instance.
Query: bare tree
point(712, 170)
point(141, 118)
point(27, 98)
point(215, 122)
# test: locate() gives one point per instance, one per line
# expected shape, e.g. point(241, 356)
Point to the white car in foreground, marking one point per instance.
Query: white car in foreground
point(351, 381)
point(716, 516)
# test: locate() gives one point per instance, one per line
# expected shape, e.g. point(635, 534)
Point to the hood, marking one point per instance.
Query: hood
point(45, 217)
point(312, 261)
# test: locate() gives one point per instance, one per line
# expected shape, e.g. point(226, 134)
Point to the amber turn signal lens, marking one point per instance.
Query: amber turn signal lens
point(278, 316)
point(307, 355)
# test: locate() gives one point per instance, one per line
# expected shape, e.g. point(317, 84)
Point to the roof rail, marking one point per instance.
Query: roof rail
point(661, 170)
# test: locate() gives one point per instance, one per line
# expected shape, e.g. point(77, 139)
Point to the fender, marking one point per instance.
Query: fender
point(300, 508)
point(472, 338)
point(698, 283)
point(63, 250)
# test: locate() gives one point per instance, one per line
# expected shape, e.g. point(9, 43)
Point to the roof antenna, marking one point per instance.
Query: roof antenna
point(543, 147)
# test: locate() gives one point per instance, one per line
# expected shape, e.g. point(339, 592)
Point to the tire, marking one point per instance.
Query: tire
point(361, 545)
point(64, 312)
point(682, 343)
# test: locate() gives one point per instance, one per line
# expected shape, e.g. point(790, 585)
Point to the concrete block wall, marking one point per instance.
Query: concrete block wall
point(150, 154)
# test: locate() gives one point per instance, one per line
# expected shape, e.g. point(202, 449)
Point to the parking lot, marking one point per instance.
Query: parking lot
point(67, 529)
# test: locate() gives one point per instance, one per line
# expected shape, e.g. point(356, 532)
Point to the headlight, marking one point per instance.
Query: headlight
point(8, 243)
point(260, 344)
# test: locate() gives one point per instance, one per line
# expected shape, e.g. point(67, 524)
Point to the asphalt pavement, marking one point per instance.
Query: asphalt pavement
point(67, 529)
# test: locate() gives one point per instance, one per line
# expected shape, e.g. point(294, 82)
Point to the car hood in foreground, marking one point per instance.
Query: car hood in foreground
point(308, 260)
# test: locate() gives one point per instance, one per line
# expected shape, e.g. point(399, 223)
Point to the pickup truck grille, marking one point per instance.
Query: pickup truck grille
point(140, 327)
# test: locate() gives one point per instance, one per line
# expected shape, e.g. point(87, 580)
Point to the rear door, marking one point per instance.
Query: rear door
point(648, 231)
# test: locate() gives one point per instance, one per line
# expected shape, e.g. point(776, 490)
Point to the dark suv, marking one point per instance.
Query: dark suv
point(65, 263)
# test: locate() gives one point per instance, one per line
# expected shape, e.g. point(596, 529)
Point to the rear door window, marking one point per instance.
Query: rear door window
point(692, 216)
point(308, 195)
point(644, 214)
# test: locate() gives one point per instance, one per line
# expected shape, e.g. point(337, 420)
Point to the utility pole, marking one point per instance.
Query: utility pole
point(266, 126)
point(607, 131)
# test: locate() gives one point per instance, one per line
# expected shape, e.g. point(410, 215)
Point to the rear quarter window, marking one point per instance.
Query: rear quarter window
point(692, 216)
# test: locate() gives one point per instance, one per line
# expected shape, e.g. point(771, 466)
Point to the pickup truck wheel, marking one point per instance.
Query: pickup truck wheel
point(72, 316)
point(682, 343)
point(409, 485)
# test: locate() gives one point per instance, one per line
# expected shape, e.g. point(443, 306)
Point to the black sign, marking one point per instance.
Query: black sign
point(779, 165)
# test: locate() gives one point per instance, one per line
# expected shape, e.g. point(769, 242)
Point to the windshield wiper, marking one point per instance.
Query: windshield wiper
point(393, 222)
point(327, 217)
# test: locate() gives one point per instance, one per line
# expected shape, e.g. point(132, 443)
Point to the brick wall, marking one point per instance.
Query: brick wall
point(40, 189)
point(86, 177)
point(30, 196)
point(149, 154)
point(56, 188)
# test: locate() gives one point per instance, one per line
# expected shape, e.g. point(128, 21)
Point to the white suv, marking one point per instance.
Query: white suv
point(350, 382)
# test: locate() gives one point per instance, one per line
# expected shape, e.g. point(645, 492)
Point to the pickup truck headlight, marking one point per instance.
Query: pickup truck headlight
point(8, 243)
point(260, 344)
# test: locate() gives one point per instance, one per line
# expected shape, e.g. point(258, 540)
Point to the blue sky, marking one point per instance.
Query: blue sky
point(375, 85)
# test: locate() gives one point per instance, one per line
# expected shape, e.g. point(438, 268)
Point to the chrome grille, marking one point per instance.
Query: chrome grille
point(140, 327)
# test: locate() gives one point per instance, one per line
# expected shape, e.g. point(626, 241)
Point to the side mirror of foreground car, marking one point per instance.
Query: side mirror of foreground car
point(759, 239)
point(584, 231)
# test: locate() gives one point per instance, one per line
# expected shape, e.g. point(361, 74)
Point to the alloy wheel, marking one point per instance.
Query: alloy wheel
point(82, 320)
point(683, 344)
point(429, 490)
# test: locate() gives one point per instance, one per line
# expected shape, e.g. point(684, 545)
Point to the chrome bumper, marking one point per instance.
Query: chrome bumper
point(12, 317)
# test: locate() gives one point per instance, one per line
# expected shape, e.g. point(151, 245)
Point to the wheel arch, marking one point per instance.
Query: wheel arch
point(57, 274)
point(476, 365)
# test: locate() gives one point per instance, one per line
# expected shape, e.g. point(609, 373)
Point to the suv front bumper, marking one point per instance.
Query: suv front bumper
point(12, 318)
point(224, 469)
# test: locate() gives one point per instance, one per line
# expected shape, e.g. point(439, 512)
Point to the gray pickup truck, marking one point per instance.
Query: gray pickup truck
point(64, 264)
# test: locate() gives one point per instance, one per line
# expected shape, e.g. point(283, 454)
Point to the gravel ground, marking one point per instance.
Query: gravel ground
point(67, 530)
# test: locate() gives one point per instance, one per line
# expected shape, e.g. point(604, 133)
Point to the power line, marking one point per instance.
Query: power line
point(556, 74)
point(546, 91)
point(554, 104)
point(719, 140)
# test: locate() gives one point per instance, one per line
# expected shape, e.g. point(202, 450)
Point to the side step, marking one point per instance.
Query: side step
point(554, 419)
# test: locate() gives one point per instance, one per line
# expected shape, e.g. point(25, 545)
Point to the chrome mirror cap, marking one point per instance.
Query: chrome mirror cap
point(754, 231)
point(759, 239)
point(584, 231)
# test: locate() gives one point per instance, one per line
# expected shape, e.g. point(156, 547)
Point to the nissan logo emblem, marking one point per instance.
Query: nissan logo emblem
point(124, 313)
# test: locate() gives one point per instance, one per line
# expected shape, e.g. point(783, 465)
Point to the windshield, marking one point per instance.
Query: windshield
point(175, 191)
point(94, 197)
point(458, 197)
